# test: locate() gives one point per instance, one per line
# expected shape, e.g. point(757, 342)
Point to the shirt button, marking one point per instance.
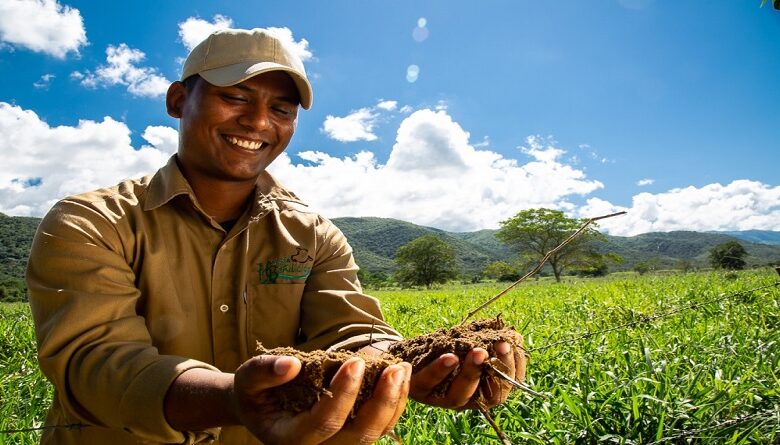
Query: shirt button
point(224, 308)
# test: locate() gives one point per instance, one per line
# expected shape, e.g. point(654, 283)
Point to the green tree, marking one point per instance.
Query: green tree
point(424, 261)
point(12, 289)
point(641, 268)
point(501, 271)
point(729, 255)
point(369, 279)
point(684, 265)
point(535, 232)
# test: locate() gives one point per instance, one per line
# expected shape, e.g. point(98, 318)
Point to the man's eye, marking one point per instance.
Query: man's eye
point(283, 111)
point(233, 98)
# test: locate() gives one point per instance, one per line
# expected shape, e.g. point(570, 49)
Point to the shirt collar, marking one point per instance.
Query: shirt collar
point(169, 182)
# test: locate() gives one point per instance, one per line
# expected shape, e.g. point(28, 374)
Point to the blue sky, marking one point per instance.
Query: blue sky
point(450, 114)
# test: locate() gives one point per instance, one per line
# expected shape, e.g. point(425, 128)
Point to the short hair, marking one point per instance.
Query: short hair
point(190, 82)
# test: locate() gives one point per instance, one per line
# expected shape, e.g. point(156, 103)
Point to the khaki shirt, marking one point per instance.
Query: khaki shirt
point(132, 285)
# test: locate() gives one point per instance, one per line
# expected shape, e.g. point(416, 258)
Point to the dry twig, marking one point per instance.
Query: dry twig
point(539, 266)
point(486, 414)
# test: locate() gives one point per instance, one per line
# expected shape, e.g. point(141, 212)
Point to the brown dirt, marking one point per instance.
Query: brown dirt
point(318, 369)
point(423, 349)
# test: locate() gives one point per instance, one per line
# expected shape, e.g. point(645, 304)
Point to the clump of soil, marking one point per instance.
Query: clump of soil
point(422, 350)
point(317, 370)
point(319, 367)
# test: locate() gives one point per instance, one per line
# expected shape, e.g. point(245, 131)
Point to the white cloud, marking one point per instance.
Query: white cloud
point(194, 30)
point(42, 26)
point(300, 47)
point(644, 182)
point(357, 126)
point(387, 105)
point(484, 143)
point(592, 154)
point(435, 176)
point(741, 205)
point(44, 82)
point(121, 69)
point(43, 164)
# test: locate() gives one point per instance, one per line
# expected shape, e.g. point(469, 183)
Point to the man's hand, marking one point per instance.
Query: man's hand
point(327, 422)
point(494, 392)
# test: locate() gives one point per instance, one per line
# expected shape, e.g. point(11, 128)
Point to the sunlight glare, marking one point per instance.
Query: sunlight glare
point(412, 72)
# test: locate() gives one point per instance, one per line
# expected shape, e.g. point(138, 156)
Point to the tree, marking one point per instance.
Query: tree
point(684, 265)
point(501, 271)
point(641, 268)
point(369, 279)
point(534, 232)
point(729, 255)
point(424, 261)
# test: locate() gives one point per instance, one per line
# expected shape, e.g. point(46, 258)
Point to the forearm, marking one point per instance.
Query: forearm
point(200, 399)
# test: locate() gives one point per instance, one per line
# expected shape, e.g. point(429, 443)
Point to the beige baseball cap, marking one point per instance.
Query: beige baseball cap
point(230, 56)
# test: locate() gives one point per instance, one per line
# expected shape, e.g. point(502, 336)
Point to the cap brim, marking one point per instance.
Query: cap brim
point(239, 72)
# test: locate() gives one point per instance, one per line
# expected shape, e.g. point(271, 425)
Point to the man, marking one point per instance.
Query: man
point(149, 297)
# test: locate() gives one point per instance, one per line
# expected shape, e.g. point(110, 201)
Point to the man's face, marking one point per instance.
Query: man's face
point(233, 133)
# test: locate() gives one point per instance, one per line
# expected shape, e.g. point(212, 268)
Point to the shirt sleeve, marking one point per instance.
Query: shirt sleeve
point(335, 313)
point(92, 343)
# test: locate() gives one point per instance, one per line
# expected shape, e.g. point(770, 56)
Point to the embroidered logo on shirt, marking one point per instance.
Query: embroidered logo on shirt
point(295, 268)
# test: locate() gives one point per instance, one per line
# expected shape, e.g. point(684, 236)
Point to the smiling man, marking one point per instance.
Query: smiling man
point(149, 297)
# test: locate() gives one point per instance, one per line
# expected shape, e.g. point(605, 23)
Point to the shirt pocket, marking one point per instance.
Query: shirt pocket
point(273, 315)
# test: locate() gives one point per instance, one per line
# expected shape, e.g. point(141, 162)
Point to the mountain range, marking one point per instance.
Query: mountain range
point(375, 241)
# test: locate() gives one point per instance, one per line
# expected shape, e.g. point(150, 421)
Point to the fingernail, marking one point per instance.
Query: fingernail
point(503, 348)
point(356, 368)
point(407, 371)
point(449, 361)
point(397, 377)
point(282, 365)
point(478, 359)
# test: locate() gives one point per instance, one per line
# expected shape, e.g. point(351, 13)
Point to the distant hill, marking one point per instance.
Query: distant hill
point(666, 249)
point(757, 236)
point(16, 234)
point(375, 241)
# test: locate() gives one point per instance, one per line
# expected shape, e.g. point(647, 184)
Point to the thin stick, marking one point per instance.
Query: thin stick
point(540, 265)
point(515, 383)
point(486, 414)
point(394, 436)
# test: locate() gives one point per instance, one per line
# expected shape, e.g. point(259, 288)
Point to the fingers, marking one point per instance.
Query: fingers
point(425, 380)
point(467, 381)
point(265, 371)
point(378, 414)
point(329, 415)
point(521, 359)
point(496, 390)
point(399, 410)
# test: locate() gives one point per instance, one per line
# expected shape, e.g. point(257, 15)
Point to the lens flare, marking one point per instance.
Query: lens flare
point(420, 33)
point(412, 72)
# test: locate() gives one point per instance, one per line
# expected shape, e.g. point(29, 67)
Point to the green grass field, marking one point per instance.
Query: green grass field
point(705, 370)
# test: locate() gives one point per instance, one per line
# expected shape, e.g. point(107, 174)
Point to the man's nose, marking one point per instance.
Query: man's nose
point(256, 117)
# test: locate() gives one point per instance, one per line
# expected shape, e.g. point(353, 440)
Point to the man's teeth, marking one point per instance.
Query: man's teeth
point(249, 145)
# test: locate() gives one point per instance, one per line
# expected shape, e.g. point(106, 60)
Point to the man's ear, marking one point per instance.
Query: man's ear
point(174, 99)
